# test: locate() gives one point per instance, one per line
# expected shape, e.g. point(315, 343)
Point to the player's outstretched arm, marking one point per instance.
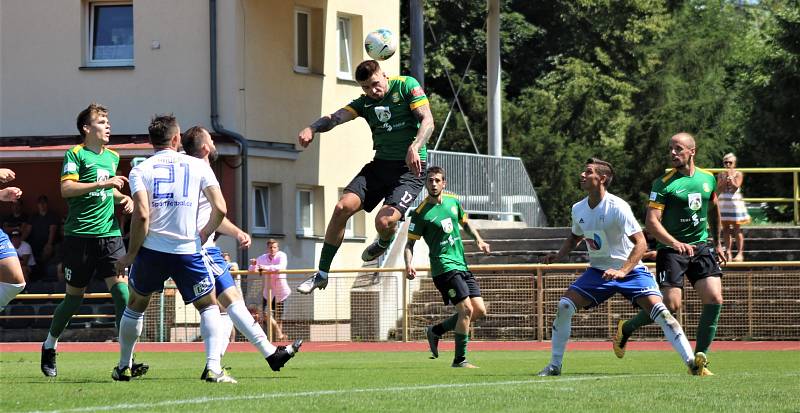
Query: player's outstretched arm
point(408, 257)
point(569, 244)
point(482, 245)
point(324, 124)
point(228, 228)
point(426, 126)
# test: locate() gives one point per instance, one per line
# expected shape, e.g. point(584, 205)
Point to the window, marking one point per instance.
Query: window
point(305, 212)
point(345, 52)
point(261, 209)
point(110, 34)
point(302, 41)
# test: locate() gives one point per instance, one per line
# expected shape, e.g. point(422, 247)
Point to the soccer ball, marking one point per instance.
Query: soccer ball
point(380, 44)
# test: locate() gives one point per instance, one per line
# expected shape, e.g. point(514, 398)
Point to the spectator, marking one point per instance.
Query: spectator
point(732, 207)
point(43, 234)
point(17, 220)
point(270, 265)
point(24, 253)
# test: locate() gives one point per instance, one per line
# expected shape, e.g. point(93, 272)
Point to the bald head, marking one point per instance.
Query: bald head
point(686, 140)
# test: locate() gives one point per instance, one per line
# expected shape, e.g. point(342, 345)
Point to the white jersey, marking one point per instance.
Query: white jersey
point(173, 182)
point(203, 216)
point(606, 229)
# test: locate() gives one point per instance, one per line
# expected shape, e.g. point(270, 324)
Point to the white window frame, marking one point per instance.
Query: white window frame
point(307, 12)
point(346, 22)
point(265, 199)
point(90, 12)
point(300, 229)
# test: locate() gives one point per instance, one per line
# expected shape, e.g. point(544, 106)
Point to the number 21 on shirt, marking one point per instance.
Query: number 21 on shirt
point(169, 181)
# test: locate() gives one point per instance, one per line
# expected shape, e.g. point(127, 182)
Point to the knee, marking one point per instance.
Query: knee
point(342, 210)
point(714, 299)
point(466, 312)
point(478, 312)
point(385, 222)
point(673, 307)
point(566, 308)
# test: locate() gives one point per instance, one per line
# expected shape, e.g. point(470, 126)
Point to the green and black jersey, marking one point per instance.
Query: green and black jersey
point(438, 225)
point(90, 214)
point(685, 201)
point(393, 124)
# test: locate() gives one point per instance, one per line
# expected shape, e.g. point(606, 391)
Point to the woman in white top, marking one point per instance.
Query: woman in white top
point(276, 289)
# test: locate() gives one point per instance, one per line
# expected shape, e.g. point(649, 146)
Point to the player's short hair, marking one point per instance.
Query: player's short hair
point(436, 170)
point(191, 140)
point(162, 128)
point(273, 241)
point(603, 168)
point(86, 116)
point(366, 69)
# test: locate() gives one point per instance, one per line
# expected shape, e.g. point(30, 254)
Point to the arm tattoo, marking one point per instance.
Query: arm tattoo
point(325, 123)
point(426, 127)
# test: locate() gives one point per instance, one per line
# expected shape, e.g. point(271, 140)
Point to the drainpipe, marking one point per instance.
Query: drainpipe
point(218, 128)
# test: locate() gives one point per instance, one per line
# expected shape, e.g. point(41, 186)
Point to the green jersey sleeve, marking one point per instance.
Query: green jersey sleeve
point(416, 226)
point(413, 93)
point(658, 193)
point(356, 107)
point(70, 167)
point(462, 215)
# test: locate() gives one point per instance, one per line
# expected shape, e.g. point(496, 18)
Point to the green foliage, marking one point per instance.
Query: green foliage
point(615, 79)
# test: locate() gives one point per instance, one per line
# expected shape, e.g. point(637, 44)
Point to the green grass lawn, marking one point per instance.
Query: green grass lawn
point(380, 382)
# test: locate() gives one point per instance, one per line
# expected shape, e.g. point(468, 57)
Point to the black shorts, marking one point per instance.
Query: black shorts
point(390, 181)
point(85, 258)
point(456, 285)
point(672, 266)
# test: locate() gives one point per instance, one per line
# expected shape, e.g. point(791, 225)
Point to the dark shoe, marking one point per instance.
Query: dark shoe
point(48, 363)
point(373, 251)
point(433, 342)
point(121, 375)
point(279, 358)
point(139, 369)
point(315, 281)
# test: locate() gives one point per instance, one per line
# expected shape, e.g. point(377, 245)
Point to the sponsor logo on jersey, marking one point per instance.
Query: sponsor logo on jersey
point(680, 191)
point(594, 243)
point(580, 221)
point(395, 97)
point(70, 167)
point(383, 113)
point(447, 225)
point(202, 286)
point(706, 187)
point(417, 91)
point(695, 201)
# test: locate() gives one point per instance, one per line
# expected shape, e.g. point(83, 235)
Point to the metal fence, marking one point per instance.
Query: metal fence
point(762, 301)
point(496, 187)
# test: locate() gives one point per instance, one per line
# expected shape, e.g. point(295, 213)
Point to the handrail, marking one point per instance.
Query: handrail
point(795, 171)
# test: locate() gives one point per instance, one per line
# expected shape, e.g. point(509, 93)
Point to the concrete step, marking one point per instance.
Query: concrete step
point(518, 257)
point(525, 233)
point(755, 244)
point(771, 232)
point(552, 244)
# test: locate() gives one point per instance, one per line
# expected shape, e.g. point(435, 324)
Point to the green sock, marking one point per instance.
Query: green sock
point(447, 325)
point(707, 326)
point(64, 312)
point(461, 346)
point(119, 293)
point(639, 320)
point(326, 256)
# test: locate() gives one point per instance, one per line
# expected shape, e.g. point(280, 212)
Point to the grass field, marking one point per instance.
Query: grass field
point(406, 381)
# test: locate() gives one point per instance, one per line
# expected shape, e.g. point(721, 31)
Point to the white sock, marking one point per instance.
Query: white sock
point(248, 326)
point(8, 291)
point(227, 328)
point(211, 329)
point(130, 328)
point(50, 341)
point(562, 326)
point(673, 331)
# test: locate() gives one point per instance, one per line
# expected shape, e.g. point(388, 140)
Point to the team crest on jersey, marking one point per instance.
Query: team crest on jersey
point(383, 113)
point(452, 293)
point(102, 175)
point(695, 201)
point(447, 225)
point(706, 187)
point(395, 97)
point(594, 243)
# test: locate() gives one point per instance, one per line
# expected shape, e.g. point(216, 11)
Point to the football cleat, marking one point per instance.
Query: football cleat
point(204, 375)
point(464, 364)
point(373, 251)
point(121, 375)
point(221, 377)
point(700, 367)
point(139, 369)
point(620, 339)
point(48, 362)
point(279, 358)
point(433, 341)
point(315, 281)
point(550, 370)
